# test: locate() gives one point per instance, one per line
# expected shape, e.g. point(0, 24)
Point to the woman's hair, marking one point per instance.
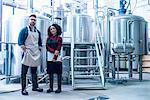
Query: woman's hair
point(58, 28)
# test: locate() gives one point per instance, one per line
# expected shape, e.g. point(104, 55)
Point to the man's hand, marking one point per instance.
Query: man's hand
point(23, 48)
point(40, 48)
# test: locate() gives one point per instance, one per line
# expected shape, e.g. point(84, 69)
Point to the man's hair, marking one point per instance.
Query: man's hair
point(32, 15)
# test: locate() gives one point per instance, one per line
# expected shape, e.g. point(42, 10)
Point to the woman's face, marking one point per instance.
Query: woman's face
point(53, 30)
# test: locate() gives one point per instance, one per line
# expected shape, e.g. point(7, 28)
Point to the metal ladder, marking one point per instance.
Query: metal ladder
point(87, 65)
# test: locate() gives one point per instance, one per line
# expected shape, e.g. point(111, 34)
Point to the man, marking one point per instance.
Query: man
point(30, 41)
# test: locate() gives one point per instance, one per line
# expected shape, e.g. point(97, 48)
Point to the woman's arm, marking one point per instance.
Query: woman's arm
point(48, 47)
point(59, 43)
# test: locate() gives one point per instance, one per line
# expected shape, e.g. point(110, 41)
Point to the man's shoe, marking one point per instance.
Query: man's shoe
point(58, 91)
point(37, 89)
point(49, 90)
point(24, 92)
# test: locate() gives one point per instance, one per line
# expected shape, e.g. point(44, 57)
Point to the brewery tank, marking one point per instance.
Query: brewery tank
point(128, 33)
point(82, 28)
point(11, 31)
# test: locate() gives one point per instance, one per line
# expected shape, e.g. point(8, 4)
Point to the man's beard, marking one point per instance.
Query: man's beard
point(32, 24)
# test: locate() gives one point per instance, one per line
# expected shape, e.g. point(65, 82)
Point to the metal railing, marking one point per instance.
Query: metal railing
point(99, 44)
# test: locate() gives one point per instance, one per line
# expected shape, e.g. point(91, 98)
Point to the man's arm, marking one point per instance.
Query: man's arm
point(21, 39)
point(22, 36)
point(40, 40)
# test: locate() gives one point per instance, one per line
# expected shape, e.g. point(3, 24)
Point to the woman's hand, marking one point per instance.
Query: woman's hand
point(54, 60)
point(56, 52)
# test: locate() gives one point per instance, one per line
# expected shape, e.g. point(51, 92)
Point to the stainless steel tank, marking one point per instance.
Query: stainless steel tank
point(82, 26)
point(128, 34)
point(12, 28)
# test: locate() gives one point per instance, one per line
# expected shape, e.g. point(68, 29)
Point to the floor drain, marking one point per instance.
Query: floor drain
point(99, 98)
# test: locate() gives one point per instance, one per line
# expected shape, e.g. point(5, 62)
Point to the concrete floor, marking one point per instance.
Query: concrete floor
point(131, 90)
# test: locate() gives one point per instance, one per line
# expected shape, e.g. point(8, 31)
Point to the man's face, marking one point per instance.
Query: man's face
point(32, 21)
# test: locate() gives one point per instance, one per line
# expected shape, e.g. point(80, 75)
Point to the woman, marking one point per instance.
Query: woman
point(54, 64)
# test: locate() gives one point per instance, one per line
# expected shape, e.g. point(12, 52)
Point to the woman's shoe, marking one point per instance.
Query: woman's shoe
point(49, 90)
point(24, 92)
point(58, 91)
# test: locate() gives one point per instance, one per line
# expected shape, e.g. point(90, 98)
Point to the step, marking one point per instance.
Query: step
point(84, 49)
point(88, 86)
point(146, 58)
point(86, 66)
point(84, 43)
point(85, 57)
point(146, 70)
point(145, 66)
point(86, 76)
point(145, 63)
point(85, 73)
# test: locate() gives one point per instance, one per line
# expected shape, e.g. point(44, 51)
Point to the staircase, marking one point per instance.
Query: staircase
point(146, 63)
point(87, 71)
point(87, 65)
point(87, 62)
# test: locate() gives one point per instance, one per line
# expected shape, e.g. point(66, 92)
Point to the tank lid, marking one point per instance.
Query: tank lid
point(82, 15)
point(133, 17)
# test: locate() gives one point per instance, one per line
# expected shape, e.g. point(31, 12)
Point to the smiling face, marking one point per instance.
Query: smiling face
point(53, 30)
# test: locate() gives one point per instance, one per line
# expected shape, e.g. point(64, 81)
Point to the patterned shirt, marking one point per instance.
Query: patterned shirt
point(53, 43)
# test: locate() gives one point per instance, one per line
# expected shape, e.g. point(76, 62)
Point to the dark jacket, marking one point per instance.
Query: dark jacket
point(23, 36)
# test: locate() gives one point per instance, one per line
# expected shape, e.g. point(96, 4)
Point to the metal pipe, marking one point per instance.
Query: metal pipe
point(13, 11)
point(96, 7)
point(113, 66)
point(52, 6)
point(72, 50)
point(30, 6)
point(12, 4)
point(15, 5)
point(118, 65)
point(140, 67)
point(130, 66)
point(107, 42)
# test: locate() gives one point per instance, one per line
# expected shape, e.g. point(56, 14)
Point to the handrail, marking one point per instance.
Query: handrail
point(99, 39)
point(101, 50)
point(72, 52)
point(99, 47)
point(100, 64)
